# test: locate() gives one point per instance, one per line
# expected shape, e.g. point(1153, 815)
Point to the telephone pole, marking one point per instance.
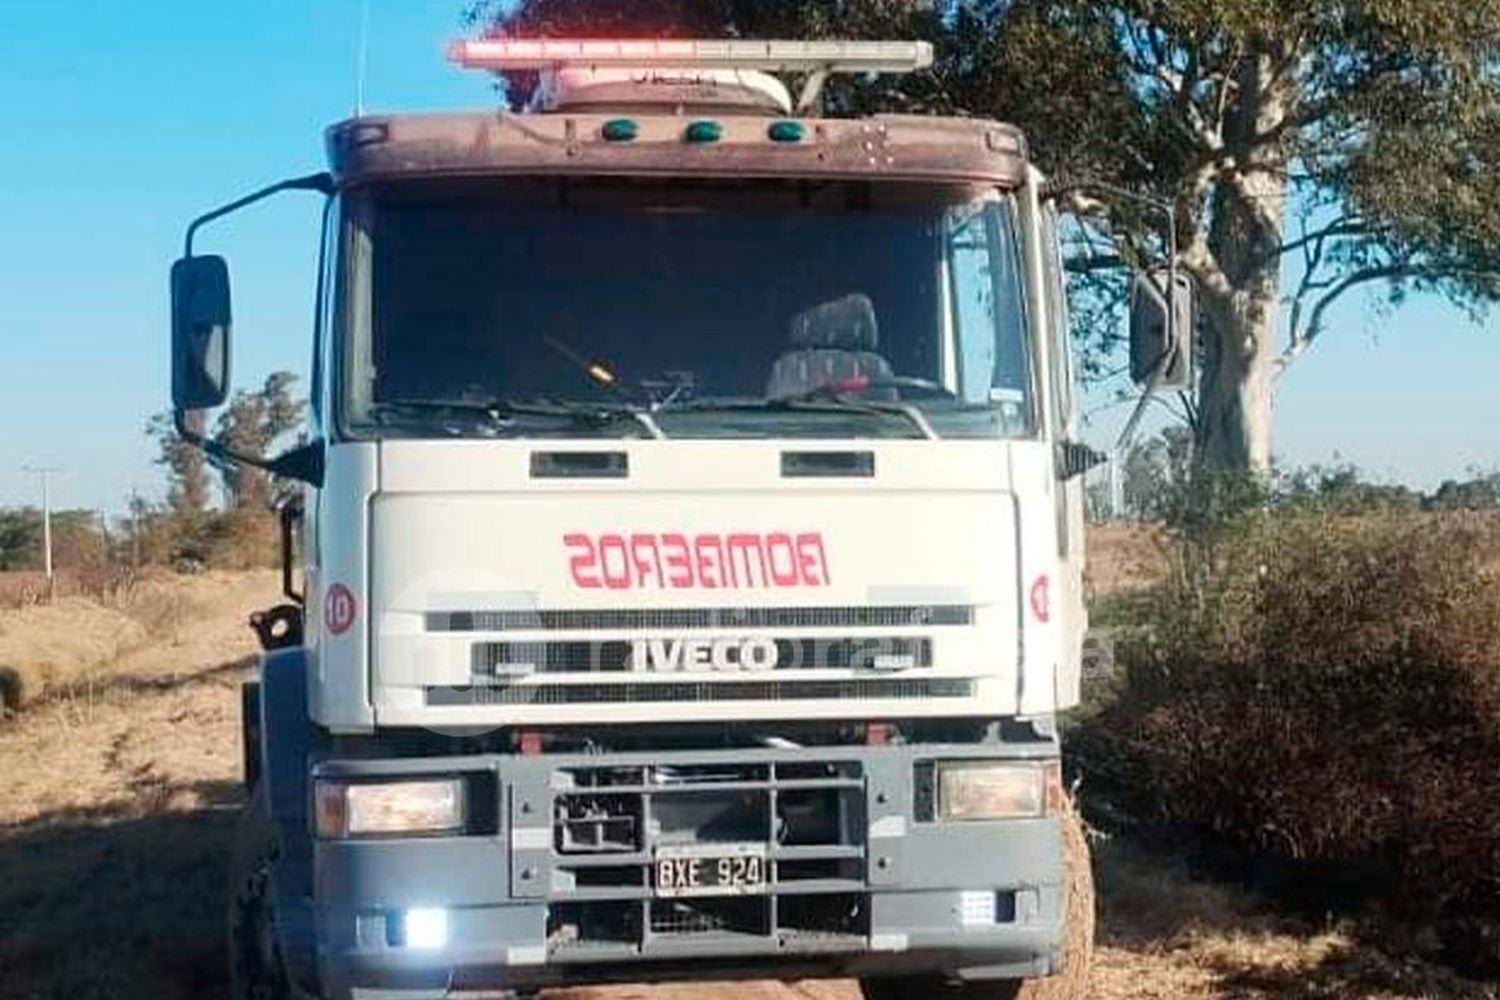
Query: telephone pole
point(45, 474)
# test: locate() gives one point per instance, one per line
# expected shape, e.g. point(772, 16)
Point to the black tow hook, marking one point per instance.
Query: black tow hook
point(278, 628)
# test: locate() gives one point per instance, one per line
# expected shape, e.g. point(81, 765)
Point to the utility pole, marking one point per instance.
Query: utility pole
point(135, 528)
point(45, 474)
point(1116, 486)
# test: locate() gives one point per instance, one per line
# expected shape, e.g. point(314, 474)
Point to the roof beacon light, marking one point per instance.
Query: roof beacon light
point(620, 130)
point(771, 56)
point(704, 131)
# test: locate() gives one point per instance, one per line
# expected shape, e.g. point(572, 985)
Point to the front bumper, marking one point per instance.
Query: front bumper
point(860, 881)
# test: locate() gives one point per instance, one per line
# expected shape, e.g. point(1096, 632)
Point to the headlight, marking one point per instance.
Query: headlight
point(987, 790)
point(389, 807)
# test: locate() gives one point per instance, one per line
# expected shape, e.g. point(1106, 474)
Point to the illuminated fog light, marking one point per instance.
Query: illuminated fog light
point(389, 807)
point(990, 790)
point(976, 908)
point(425, 928)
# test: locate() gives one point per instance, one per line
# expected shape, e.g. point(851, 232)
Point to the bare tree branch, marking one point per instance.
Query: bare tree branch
point(1344, 226)
point(1316, 320)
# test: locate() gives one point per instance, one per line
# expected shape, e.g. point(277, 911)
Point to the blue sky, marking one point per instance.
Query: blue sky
point(121, 120)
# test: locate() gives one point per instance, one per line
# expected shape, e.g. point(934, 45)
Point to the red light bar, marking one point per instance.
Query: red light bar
point(786, 56)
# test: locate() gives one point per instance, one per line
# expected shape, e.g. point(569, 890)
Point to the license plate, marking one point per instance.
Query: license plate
point(710, 870)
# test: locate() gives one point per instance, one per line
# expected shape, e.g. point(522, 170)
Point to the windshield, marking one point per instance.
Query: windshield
point(552, 308)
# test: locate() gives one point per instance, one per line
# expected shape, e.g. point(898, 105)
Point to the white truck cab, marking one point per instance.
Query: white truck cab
point(692, 538)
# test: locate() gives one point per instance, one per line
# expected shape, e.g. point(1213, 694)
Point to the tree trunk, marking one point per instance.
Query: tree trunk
point(1240, 317)
point(1236, 384)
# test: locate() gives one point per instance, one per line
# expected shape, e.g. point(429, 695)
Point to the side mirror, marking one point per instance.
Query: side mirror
point(200, 332)
point(1162, 320)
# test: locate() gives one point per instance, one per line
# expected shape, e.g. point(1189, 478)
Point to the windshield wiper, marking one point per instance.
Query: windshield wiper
point(894, 407)
point(504, 411)
point(810, 403)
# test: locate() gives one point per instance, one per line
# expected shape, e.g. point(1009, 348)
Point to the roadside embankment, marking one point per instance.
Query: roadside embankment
point(80, 643)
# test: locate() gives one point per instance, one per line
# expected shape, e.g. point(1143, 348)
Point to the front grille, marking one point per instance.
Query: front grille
point(720, 915)
point(607, 619)
point(612, 823)
point(593, 694)
point(618, 656)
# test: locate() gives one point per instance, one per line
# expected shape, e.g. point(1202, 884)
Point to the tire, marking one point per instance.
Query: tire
point(256, 969)
point(1071, 981)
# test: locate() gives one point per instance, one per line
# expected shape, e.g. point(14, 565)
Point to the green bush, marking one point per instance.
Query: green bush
point(1322, 687)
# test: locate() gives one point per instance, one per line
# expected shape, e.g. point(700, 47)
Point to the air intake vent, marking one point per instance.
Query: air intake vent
point(827, 464)
point(580, 465)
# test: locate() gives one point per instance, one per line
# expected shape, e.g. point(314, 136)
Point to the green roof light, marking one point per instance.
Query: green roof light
point(704, 131)
point(620, 130)
point(786, 131)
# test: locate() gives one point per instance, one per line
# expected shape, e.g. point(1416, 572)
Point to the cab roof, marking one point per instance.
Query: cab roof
point(378, 148)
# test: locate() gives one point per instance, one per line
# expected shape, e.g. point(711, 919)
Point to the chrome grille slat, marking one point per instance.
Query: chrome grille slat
point(613, 619)
point(705, 691)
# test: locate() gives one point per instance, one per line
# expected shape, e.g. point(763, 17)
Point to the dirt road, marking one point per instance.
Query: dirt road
point(118, 801)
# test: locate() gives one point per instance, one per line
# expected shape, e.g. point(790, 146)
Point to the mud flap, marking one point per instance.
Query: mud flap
point(286, 740)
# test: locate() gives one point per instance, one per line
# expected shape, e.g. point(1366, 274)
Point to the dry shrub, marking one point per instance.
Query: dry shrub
point(233, 539)
point(1325, 689)
point(26, 588)
point(1124, 556)
point(101, 581)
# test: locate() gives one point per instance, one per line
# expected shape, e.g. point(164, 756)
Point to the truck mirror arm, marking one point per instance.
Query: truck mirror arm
point(322, 182)
point(303, 463)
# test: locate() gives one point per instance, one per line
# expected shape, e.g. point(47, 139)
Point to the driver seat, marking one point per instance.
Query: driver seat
point(833, 344)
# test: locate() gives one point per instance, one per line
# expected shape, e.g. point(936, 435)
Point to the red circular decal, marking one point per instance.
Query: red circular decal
point(339, 608)
point(1041, 599)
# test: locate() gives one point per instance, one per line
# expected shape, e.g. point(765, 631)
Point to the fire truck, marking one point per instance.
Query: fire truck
point(689, 538)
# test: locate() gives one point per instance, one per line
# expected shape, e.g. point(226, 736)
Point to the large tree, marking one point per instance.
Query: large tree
point(251, 423)
point(1348, 143)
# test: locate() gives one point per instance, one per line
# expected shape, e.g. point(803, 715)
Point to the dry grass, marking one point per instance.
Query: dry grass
point(80, 644)
point(1125, 555)
point(1487, 525)
point(120, 793)
point(1166, 934)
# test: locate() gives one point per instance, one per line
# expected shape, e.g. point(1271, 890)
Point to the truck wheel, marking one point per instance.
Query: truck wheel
point(256, 971)
point(1071, 981)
